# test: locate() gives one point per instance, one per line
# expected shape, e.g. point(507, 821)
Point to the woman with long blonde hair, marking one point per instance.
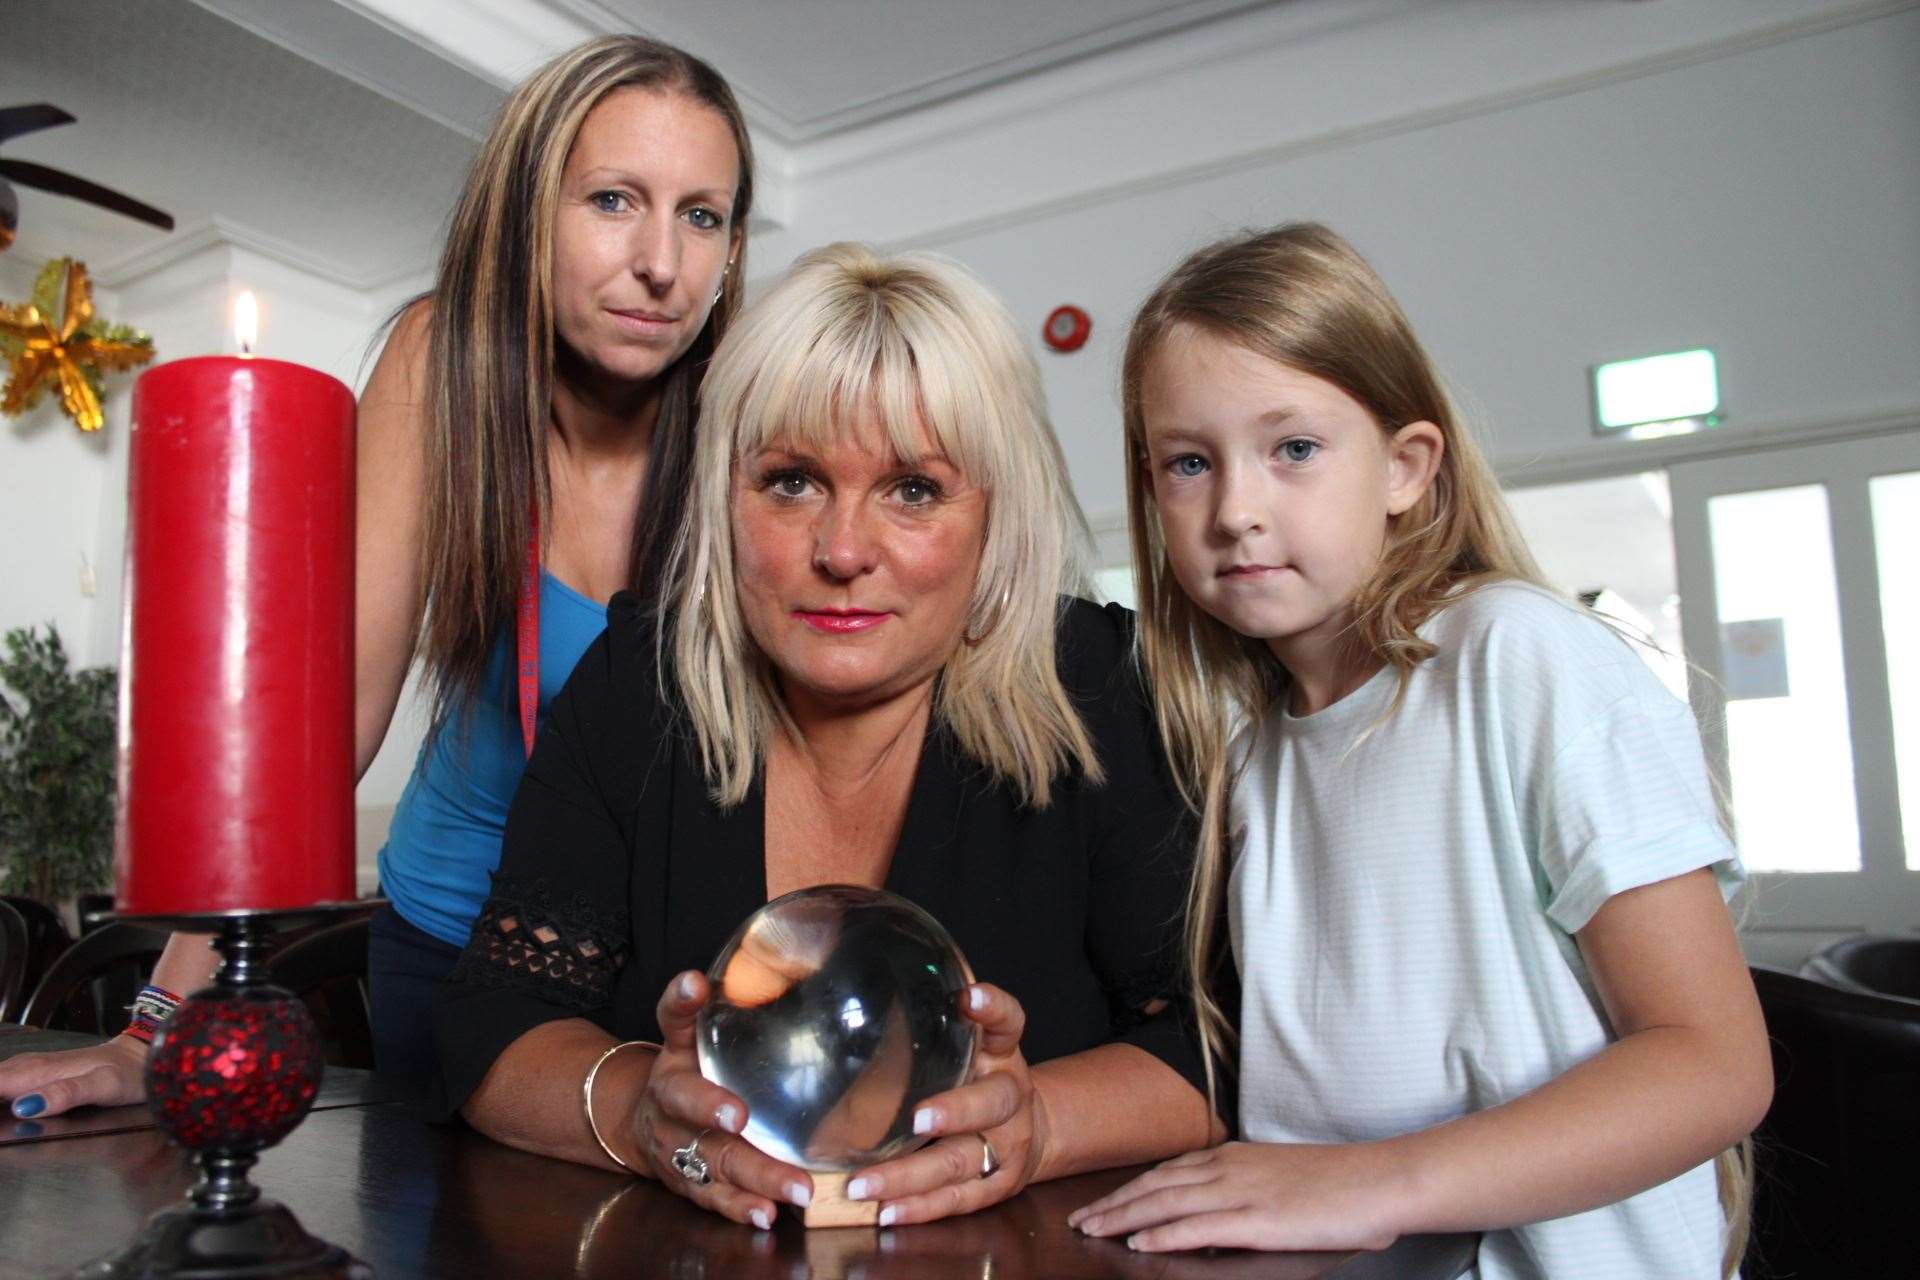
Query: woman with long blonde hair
point(870, 668)
point(1461, 838)
point(524, 446)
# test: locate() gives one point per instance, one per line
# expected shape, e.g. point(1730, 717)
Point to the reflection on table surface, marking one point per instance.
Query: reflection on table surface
point(413, 1199)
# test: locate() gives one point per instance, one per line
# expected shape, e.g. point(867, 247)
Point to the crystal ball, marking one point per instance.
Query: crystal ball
point(835, 1012)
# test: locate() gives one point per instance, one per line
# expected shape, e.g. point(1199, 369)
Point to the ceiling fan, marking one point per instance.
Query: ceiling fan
point(15, 121)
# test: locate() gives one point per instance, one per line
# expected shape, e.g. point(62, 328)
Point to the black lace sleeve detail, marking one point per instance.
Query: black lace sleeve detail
point(561, 948)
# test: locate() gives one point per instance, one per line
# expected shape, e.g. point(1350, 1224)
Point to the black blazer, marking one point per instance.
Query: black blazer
point(618, 871)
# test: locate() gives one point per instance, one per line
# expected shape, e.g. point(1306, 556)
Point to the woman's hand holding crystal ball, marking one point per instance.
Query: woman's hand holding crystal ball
point(997, 1111)
point(680, 1107)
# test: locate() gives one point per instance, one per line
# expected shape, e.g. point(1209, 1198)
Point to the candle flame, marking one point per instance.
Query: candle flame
point(246, 321)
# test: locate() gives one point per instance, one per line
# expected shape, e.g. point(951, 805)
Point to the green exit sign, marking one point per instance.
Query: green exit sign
point(1657, 395)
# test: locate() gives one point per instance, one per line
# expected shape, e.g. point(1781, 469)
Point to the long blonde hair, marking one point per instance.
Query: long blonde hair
point(490, 365)
point(918, 343)
point(1301, 295)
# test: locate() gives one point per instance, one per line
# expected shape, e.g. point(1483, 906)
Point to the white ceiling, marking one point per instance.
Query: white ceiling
point(192, 114)
point(338, 130)
point(818, 66)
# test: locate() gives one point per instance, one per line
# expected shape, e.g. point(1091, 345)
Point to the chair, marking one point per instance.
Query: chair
point(1888, 966)
point(47, 937)
point(14, 953)
point(327, 967)
point(1834, 1154)
point(90, 986)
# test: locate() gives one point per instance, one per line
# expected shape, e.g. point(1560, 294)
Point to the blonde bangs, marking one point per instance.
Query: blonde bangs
point(909, 354)
point(876, 371)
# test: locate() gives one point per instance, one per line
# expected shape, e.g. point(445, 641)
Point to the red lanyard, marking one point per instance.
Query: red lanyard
point(529, 630)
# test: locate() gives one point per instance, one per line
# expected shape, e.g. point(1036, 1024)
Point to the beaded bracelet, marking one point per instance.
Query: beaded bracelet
point(150, 1010)
point(586, 1094)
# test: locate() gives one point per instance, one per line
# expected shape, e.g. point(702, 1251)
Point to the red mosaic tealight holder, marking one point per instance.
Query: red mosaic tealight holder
point(233, 1071)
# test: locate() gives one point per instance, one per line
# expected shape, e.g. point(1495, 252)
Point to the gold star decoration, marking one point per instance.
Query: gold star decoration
point(75, 354)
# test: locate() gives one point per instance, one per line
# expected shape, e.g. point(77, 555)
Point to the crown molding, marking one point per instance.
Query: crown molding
point(1232, 32)
point(214, 232)
point(360, 48)
point(500, 41)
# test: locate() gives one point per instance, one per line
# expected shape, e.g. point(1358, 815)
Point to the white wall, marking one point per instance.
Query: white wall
point(49, 515)
point(1751, 189)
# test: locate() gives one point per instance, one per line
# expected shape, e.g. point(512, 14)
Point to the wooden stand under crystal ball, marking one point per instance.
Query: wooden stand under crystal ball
point(835, 1013)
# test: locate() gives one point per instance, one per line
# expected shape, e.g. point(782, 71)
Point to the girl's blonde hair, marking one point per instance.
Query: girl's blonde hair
point(1301, 295)
point(490, 365)
point(918, 346)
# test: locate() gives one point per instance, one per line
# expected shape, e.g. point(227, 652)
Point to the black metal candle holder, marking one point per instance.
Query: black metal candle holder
point(233, 1071)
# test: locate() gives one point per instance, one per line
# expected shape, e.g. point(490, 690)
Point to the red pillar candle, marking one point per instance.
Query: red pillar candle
point(236, 666)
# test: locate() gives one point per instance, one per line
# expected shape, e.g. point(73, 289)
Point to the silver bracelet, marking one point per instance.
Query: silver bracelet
point(586, 1096)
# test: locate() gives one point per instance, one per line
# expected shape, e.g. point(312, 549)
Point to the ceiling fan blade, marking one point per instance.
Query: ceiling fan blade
point(30, 118)
point(28, 174)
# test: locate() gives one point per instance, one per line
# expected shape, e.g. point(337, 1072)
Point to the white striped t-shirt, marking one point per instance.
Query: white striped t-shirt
point(1406, 889)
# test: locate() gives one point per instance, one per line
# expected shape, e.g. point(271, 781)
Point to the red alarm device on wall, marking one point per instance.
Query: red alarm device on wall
point(1067, 328)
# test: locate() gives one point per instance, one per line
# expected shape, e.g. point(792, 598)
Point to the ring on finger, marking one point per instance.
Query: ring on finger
point(989, 1160)
point(691, 1164)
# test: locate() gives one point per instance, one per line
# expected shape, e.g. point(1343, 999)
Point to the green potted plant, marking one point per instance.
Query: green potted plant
point(57, 744)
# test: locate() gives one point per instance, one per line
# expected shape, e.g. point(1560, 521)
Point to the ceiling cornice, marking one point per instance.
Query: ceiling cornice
point(130, 269)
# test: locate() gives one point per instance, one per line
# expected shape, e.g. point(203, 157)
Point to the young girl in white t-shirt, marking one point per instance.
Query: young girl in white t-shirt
point(1463, 838)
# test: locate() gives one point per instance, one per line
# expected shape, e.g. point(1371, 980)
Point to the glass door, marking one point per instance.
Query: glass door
point(1801, 596)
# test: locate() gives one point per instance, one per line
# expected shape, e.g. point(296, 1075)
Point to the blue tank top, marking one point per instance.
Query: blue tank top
point(444, 843)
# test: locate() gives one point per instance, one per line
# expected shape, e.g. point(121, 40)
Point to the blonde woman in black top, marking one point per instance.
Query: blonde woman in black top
point(869, 669)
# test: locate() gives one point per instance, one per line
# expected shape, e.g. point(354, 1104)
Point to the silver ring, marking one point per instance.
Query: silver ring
point(691, 1164)
point(989, 1162)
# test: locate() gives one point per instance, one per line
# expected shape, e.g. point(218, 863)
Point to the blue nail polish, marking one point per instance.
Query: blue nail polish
point(31, 1105)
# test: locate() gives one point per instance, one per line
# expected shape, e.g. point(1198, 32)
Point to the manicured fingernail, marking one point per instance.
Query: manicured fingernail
point(761, 1219)
point(727, 1116)
point(687, 986)
point(799, 1194)
point(31, 1105)
point(924, 1119)
point(889, 1214)
point(858, 1189)
point(976, 999)
point(1133, 1242)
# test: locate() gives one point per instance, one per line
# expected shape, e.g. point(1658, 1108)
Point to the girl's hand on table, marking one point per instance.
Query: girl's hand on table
point(1257, 1195)
point(999, 1105)
point(102, 1075)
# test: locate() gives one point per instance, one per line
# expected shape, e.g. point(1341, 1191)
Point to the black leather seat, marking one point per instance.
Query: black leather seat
point(47, 938)
point(14, 952)
point(1888, 966)
point(327, 967)
point(1834, 1156)
point(90, 986)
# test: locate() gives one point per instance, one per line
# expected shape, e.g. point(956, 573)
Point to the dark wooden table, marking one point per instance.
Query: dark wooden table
point(413, 1199)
